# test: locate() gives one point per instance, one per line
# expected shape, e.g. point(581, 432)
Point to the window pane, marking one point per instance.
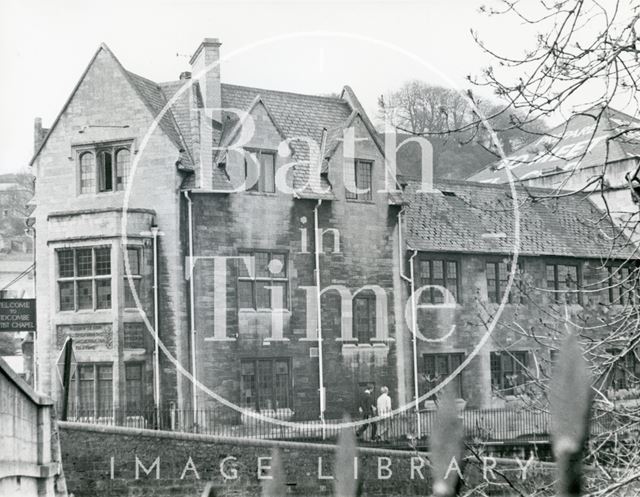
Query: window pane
point(84, 262)
point(364, 318)
point(105, 390)
point(103, 260)
point(438, 280)
point(424, 272)
point(282, 384)
point(263, 297)
point(106, 171)
point(133, 254)
point(551, 277)
point(66, 296)
point(452, 278)
point(85, 294)
point(244, 264)
point(123, 160)
point(245, 294)
point(262, 263)
point(65, 263)
point(350, 182)
point(568, 279)
point(103, 293)
point(491, 282)
point(86, 403)
point(129, 301)
point(265, 379)
point(363, 179)
point(250, 173)
point(268, 172)
point(87, 173)
point(248, 384)
point(133, 376)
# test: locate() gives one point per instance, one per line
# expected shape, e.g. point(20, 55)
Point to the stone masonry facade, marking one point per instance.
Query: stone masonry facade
point(252, 338)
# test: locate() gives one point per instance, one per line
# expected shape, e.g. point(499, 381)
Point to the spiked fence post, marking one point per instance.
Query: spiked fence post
point(571, 397)
point(447, 448)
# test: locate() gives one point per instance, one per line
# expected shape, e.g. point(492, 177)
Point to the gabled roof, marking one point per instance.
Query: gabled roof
point(479, 218)
point(294, 115)
point(150, 94)
point(563, 148)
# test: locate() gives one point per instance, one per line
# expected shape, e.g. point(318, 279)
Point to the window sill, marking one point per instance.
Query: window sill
point(262, 311)
point(358, 201)
point(261, 194)
point(85, 311)
point(268, 341)
point(365, 346)
point(220, 339)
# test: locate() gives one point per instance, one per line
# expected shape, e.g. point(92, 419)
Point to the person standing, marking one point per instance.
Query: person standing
point(384, 410)
point(367, 410)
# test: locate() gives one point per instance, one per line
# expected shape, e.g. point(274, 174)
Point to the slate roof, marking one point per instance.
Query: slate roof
point(479, 218)
point(294, 114)
point(560, 149)
point(154, 97)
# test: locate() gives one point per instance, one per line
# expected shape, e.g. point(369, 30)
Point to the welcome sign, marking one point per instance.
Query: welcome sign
point(17, 315)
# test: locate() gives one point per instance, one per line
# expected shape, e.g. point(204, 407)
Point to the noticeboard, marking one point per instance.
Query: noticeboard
point(17, 315)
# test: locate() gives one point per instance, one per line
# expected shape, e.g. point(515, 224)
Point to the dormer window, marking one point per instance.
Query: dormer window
point(265, 161)
point(362, 180)
point(104, 168)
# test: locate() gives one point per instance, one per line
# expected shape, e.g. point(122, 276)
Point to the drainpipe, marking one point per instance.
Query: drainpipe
point(414, 319)
point(32, 232)
point(319, 315)
point(156, 307)
point(192, 317)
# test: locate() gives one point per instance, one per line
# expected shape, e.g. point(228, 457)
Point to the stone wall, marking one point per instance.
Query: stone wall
point(363, 232)
point(29, 453)
point(103, 461)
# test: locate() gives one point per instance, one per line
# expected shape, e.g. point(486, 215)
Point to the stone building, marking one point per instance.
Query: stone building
point(573, 155)
point(268, 239)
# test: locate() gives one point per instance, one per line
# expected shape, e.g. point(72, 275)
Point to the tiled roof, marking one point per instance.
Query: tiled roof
point(295, 115)
point(479, 218)
point(563, 148)
point(155, 99)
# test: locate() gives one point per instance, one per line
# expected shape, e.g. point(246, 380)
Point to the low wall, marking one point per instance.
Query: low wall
point(118, 462)
point(29, 453)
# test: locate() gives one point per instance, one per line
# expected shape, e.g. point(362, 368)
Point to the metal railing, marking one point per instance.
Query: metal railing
point(479, 425)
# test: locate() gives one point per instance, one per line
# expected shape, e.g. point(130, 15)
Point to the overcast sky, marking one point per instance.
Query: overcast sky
point(45, 46)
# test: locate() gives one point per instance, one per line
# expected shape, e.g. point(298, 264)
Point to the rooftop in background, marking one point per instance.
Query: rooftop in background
point(580, 142)
point(479, 218)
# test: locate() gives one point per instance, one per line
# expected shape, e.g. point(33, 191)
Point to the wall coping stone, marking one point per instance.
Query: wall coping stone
point(23, 386)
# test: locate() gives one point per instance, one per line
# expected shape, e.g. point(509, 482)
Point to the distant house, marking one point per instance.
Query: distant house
point(319, 242)
point(600, 141)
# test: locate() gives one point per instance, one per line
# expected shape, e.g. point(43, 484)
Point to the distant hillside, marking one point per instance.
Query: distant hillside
point(16, 190)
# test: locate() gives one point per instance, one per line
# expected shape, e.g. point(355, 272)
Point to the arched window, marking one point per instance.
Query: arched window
point(123, 166)
point(106, 171)
point(87, 173)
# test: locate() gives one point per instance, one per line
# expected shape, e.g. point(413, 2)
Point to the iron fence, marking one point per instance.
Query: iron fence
point(479, 425)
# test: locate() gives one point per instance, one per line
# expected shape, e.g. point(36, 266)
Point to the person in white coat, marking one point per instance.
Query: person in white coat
point(384, 409)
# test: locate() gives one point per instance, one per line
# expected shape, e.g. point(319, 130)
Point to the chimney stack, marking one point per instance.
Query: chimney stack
point(208, 53)
point(210, 116)
point(38, 133)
